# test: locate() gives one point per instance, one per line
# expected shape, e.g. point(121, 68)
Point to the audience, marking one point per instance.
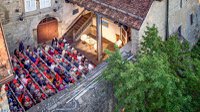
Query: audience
point(42, 71)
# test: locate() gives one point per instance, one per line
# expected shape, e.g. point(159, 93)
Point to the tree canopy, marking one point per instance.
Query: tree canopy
point(165, 77)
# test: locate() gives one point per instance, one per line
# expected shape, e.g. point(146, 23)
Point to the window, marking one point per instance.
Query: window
point(30, 5)
point(45, 3)
point(191, 19)
point(179, 31)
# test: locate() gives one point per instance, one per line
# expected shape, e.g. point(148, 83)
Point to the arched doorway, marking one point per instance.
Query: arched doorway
point(47, 29)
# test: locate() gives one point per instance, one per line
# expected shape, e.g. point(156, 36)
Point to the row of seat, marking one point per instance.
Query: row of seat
point(43, 71)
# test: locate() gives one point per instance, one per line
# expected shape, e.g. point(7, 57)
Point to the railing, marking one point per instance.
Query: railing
point(74, 21)
point(77, 34)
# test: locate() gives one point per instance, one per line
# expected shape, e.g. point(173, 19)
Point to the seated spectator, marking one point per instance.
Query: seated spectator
point(23, 79)
point(68, 67)
point(90, 67)
point(80, 67)
point(68, 57)
point(64, 40)
point(51, 51)
point(53, 65)
point(35, 49)
point(46, 48)
point(27, 64)
point(18, 89)
point(33, 58)
point(48, 91)
point(63, 53)
point(79, 57)
point(27, 103)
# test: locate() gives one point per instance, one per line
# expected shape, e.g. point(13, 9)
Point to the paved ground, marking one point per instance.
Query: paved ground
point(96, 99)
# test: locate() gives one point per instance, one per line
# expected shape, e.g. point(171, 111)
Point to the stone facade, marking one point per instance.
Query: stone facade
point(17, 30)
point(26, 30)
point(157, 16)
point(179, 15)
point(4, 106)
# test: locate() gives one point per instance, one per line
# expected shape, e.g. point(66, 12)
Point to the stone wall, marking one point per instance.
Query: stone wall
point(4, 106)
point(178, 16)
point(157, 16)
point(135, 41)
point(26, 30)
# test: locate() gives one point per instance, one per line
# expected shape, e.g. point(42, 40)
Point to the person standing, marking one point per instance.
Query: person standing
point(21, 47)
point(54, 41)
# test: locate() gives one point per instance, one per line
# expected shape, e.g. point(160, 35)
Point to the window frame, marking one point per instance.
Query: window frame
point(45, 5)
point(32, 6)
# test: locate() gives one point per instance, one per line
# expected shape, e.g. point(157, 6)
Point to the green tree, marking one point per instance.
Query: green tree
point(162, 79)
point(193, 87)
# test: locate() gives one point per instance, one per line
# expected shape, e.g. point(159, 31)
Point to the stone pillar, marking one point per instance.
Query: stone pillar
point(99, 37)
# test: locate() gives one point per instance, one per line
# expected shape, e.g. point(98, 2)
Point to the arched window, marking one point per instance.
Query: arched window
point(30, 5)
point(45, 3)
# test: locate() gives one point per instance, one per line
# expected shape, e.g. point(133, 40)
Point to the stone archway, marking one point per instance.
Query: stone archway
point(47, 29)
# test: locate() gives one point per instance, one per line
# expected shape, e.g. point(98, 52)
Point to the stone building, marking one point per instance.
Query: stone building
point(170, 17)
point(183, 18)
point(21, 23)
point(98, 24)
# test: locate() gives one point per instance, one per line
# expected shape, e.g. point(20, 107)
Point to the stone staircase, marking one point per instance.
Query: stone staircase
point(81, 22)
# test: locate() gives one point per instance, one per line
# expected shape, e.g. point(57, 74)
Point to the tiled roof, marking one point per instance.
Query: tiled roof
point(128, 12)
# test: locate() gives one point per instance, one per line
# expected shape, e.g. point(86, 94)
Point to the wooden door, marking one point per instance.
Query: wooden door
point(47, 30)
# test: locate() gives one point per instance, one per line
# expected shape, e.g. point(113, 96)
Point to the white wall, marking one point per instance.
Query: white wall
point(156, 15)
point(110, 32)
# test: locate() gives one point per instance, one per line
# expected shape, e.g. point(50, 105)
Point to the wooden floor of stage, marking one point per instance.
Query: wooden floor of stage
point(89, 51)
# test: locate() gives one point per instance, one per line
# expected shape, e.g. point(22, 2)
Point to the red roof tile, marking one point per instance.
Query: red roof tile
point(128, 12)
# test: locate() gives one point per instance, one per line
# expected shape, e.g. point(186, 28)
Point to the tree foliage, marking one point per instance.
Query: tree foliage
point(164, 78)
